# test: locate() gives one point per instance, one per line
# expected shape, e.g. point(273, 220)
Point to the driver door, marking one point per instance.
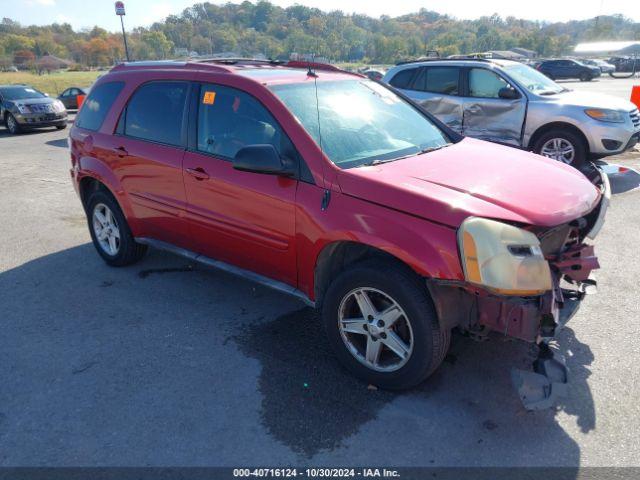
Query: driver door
point(242, 218)
point(486, 115)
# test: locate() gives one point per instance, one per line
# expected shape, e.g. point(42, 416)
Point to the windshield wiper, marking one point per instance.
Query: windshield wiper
point(421, 152)
point(549, 92)
point(432, 149)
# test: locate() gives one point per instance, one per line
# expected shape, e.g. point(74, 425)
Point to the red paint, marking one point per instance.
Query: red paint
point(275, 226)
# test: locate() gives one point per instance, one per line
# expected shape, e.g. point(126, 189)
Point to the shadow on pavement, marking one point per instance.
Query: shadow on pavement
point(103, 366)
point(624, 181)
point(61, 142)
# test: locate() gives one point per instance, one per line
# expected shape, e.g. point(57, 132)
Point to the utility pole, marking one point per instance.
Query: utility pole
point(120, 13)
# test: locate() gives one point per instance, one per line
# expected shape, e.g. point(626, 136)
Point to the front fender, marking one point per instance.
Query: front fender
point(430, 249)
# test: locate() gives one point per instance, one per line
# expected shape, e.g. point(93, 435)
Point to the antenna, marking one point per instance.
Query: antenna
point(310, 72)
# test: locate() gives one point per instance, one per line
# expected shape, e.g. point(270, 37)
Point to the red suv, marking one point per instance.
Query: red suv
point(339, 190)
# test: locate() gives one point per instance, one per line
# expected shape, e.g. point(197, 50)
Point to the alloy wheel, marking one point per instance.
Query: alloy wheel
point(105, 228)
point(559, 149)
point(375, 329)
point(12, 126)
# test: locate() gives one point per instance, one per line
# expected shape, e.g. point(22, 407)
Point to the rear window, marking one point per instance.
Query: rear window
point(156, 112)
point(402, 79)
point(97, 105)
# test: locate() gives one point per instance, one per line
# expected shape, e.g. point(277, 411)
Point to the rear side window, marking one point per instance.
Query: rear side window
point(229, 119)
point(156, 112)
point(403, 78)
point(97, 105)
point(442, 80)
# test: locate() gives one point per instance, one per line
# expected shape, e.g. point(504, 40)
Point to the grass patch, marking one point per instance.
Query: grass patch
point(51, 83)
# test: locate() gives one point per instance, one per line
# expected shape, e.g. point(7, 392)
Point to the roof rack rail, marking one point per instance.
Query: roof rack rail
point(420, 60)
point(160, 64)
point(237, 60)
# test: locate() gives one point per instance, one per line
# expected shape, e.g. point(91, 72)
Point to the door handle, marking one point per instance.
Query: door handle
point(198, 173)
point(121, 151)
point(473, 109)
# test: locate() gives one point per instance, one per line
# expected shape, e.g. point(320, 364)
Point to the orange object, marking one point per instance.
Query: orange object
point(209, 98)
point(80, 100)
point(635, 95)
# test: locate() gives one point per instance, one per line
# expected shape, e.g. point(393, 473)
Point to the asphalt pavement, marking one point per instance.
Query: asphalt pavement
point(170, 363)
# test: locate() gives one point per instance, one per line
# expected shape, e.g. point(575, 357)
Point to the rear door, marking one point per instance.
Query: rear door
point(437, 88)
point(148, 149)
point(486, 115)
point(242, 218)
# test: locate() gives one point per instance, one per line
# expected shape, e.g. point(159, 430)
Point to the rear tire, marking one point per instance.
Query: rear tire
point(563, 139)
point(110, 231)
point(384, 284)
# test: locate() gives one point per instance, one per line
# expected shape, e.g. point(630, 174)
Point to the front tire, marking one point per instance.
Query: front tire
point(110, 231)
point(61, 127)
point(585, 77)
point(12, 124)
point(382, 325)
point(562, 145)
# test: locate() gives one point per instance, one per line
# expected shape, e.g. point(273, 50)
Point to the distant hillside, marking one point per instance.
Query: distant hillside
point(251, 28)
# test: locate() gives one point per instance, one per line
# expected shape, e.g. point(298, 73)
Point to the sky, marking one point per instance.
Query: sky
point(87, 13)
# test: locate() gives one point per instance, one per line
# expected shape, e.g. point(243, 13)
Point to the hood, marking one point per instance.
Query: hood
point(476, 178)
point(34, 101)
point(592, 100)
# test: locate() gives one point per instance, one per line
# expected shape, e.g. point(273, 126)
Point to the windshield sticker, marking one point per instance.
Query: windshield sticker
point(30, 90)
point(209, 98)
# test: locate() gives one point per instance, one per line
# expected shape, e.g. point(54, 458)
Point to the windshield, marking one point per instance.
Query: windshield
point(20, 93)
point(533, 80)
point(360, 122)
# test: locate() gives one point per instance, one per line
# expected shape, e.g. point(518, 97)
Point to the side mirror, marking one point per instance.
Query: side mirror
point(262, 159)
point(46, 94)
point(508, 93)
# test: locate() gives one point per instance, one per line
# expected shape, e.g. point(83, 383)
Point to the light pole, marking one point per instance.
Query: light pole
point(120, 13)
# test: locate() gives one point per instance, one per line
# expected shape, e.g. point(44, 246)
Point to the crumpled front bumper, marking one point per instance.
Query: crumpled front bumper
point(535, 319)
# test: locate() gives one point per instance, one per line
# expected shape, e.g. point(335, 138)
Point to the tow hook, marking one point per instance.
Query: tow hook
point(547, 383)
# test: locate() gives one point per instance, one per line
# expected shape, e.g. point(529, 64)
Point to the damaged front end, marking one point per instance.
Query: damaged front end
point(524, 313)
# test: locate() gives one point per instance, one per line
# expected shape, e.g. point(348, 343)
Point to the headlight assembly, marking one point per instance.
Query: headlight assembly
point(23, 108)
point(502, 258)
point(58, 106)
point(605, 115)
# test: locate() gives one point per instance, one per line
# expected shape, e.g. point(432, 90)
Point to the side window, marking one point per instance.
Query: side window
point(97, 105)
point(402, 79)
point(72, 92)
point(442, 80)
point(484, 83)
point(65, 93)
point(155, 112)
point(229, 119)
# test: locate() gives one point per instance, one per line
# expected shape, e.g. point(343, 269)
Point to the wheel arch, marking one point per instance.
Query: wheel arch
point(548, 127)
point(95, 176)
point(337, 256)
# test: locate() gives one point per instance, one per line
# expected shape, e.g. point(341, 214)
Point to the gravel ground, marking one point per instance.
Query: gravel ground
point(167, 363)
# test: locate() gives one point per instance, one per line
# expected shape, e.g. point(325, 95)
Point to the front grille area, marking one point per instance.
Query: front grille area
point(635, 118)
point(41, 107)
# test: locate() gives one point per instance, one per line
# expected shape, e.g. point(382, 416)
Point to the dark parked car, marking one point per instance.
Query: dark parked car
point(23, 107)
point(568, 68)
point(625, 64)
point(70, 97)
point(395, 226)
